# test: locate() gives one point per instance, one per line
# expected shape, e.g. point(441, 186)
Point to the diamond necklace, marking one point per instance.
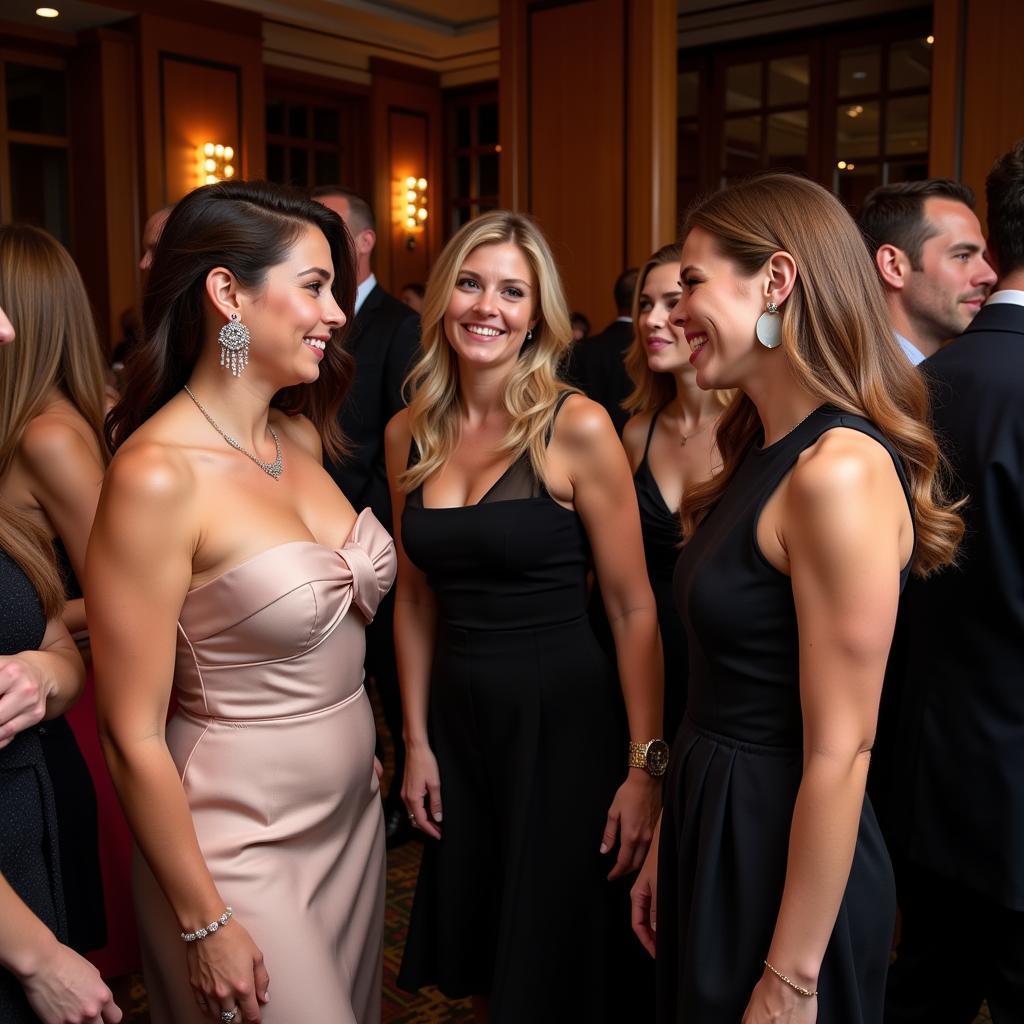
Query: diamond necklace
point(273, 469)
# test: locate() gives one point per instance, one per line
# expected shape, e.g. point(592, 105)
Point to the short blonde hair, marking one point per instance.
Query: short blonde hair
point(533, 388)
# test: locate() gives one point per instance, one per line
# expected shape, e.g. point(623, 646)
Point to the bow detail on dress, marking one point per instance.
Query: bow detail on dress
point(370, 556)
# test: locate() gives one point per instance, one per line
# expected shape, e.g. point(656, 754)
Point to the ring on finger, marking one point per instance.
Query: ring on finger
point(412, 819)
point(228, 1016)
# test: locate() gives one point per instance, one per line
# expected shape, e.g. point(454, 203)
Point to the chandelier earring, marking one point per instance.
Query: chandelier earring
point(234, 345)
point(769, 327)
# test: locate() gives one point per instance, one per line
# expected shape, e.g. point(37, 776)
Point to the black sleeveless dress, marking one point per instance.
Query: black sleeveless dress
point(29, 856)
point(662, 538)
point(525, 720)
point(735, 769)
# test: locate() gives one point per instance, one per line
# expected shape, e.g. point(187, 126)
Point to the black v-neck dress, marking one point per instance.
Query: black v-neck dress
point(662, 538)
point(526, 723)
point(736, 767)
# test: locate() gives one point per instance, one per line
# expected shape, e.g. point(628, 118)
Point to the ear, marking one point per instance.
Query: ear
point(893, 266)
point(781, 277)
point(366, 240)
point(223, 292)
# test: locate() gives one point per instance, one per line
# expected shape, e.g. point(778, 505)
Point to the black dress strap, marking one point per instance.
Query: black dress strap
point(650, 429)
point(554, 416)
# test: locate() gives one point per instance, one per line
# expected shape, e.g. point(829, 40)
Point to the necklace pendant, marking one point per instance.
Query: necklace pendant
point(683, 440)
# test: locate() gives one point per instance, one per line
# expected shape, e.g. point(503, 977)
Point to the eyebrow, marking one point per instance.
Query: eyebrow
point(507, 280)
point(325, 274)
point(965, 247)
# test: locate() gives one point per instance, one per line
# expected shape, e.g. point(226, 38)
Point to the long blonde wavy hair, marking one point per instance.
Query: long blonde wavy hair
point(533, 388)
point(55, 346)
point(837, 337)
point(653, 390)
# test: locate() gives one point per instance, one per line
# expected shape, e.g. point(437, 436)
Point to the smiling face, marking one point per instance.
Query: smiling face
point(717, 310)
point(664, 342)
point(945, 294)
point(292, 317)
point(492, 305)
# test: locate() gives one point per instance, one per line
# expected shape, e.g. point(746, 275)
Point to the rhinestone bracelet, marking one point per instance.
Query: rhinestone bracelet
point(792, 984)
point(212, 927)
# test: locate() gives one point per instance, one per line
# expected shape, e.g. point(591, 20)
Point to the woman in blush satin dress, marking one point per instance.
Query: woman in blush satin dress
point(226, 566)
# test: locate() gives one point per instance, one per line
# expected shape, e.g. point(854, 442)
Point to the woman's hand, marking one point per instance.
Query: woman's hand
point(23, 693)
point(644, 898)
point(422, 780)
point(774, 1002)
point(631, 820)
point(226, 973)
point(67, 989)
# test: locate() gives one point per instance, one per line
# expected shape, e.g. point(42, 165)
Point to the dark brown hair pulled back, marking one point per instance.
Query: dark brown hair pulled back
point(246, 227)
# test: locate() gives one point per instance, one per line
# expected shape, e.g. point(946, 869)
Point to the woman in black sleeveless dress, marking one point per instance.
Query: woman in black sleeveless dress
point(773, 890)
point(41, 674)
point(507, 487)
point(670, 441)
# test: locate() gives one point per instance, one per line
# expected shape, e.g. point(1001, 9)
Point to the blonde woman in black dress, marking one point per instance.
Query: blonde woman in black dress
point(507, 486)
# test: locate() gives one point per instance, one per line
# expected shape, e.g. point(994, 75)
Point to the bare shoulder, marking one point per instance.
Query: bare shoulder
point(583, 425)
point(148, 475)
point(56, 438)
point(300, 430)
point(634, 436)
point(398, 432)
point(842, 466)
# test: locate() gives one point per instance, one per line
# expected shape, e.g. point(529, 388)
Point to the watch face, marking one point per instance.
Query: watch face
point(657, 757)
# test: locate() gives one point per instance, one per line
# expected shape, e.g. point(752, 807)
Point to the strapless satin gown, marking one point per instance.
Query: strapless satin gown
point(274, 739)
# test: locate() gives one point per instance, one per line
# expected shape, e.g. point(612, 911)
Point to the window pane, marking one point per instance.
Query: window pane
point(860, 71)
point(39, 188)
point(741, 145)
point(275, 118)
point(275, 164)
point(298, 170)
point(36, 100)
point(908, 170)
point(743, 86)
point(325, 124)
point(687, 151)
point(688, 90)
point(788, 79)
point(297, 122)
point(787, 140)
point(853, 186)
point(325, 168)
point(489, 174)
point(487, 124)
point(906, 125)
point(857, 130)
point(463, 128)
point(461, 216)
point(463, 177)
point(910, 65)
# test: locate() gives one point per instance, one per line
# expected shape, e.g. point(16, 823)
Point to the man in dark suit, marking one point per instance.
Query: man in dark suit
point(595, 365)
point(383, 342)
point(958, 784)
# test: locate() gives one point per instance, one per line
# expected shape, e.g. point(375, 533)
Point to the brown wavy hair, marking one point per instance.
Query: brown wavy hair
point(653, 390)
point(247, 227)
point(837, 336)
point(27, 545)
point(43, 295)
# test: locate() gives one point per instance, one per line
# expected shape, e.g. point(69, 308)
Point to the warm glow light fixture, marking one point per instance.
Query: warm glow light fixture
point(410, 208)
point(47, 12)
point(930, 40)
point(215, 162)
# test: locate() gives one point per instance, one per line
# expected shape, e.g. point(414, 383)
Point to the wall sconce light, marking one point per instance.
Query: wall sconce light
point(411, 207)
point(215, 163)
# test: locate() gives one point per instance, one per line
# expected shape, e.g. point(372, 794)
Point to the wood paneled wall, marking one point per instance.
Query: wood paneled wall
point(407, 134)
point(978, 82)
point(588, 133)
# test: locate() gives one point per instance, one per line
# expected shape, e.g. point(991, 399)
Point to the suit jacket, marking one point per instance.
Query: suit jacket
point(384, 343)
point(595, 366)
point(959, 757)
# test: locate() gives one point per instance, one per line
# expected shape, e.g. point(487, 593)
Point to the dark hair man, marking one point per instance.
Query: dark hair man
point(596, 364)
point(383, 341)
point(958, 786)
point(929, 251)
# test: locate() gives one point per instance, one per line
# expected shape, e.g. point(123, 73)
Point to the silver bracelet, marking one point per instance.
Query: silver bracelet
point(212, 927)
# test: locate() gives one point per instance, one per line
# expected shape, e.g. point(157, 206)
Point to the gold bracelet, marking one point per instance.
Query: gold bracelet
point(792, 984)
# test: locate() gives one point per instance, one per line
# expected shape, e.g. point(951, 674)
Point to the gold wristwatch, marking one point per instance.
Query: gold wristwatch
point(652, 756)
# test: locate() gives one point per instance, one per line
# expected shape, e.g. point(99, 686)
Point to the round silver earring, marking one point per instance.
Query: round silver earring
point(529, 334)
point(769, 327)
point(234, 345)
